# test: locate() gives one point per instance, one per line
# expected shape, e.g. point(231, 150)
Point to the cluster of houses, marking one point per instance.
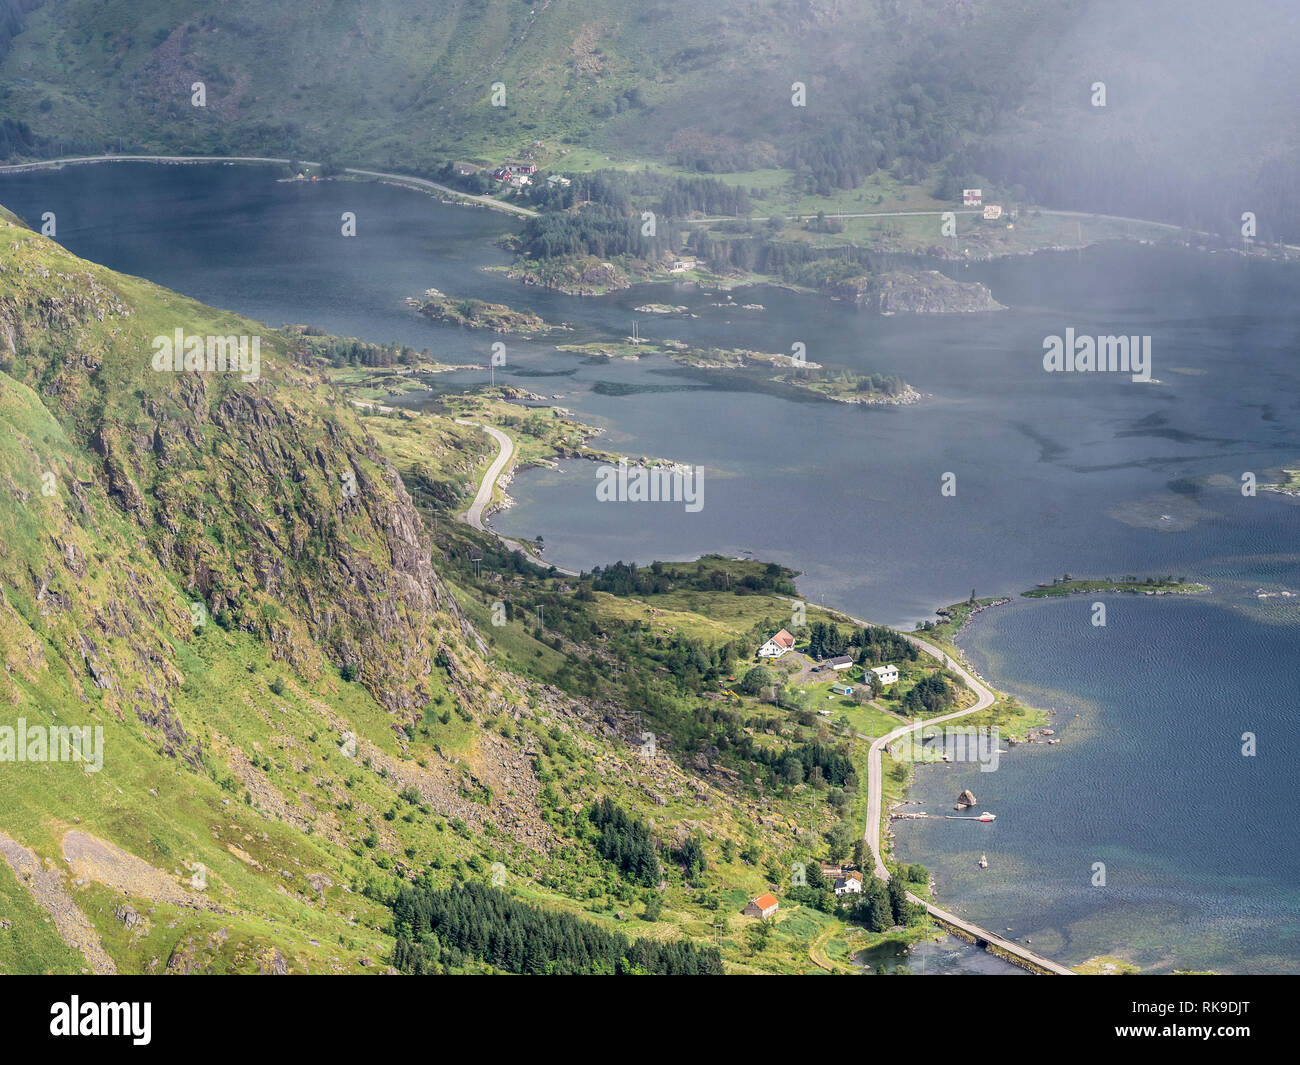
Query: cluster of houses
point(843, 881)
point(782, 642)
point(517, 175)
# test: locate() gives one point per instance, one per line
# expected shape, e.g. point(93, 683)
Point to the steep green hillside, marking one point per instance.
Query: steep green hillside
point(301, 736)
point(412, 84)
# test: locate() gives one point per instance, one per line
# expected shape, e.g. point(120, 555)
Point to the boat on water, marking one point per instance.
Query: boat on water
point(986, 816)
point(984, 861)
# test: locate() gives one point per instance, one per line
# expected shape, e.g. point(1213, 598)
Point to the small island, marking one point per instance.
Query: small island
point(1068, 585)
point(478, 314)
point(1289, 487)
point(836, 384)
point(915, 292)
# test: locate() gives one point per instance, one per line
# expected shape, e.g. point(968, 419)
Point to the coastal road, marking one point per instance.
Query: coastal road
point(401, 179)
point(474, 516)
point(983, 700)
point(875, 784)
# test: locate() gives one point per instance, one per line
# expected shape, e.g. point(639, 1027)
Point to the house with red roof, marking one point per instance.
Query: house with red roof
point(777, 645)
point(763, 906)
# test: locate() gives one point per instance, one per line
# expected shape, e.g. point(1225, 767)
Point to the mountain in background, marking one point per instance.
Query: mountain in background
point(1198, 123)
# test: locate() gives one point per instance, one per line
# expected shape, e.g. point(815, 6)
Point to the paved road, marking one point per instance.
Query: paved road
point(474, 516)
point(987, 937)
point(403, 179)
point(984, 699)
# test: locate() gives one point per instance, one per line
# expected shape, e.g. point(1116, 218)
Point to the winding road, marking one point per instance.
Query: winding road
point(474, 516)
point(875, 785)
point(875, 782)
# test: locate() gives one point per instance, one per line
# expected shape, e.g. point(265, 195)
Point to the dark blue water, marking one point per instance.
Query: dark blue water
point(1197, 839)
point(1094, 474)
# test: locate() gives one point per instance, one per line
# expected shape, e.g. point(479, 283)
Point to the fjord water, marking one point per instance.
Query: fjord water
point(1092, 474)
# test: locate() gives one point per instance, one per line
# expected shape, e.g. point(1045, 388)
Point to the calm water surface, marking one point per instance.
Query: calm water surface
point(1092, 474)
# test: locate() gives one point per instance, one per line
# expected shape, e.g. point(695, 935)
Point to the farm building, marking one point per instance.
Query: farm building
point(839, 662)
point(842, 689)
point(763, 906)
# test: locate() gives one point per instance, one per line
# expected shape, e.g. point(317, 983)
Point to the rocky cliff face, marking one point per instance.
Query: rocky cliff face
point(263, 499)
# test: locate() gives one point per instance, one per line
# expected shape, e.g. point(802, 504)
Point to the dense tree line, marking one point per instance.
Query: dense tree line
point(595, 213)
point(16, 138)
point(881, 905)
point(826, 640)
point(441, 929)
point(348, 351)
point(798, 764)
point(706, 196)
point(625, 841)
point(931, 694)
point(629, 579)
point(797, 262)
point(878, 646)
point(594, 229)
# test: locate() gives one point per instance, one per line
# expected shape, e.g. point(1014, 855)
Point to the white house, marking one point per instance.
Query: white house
point(849, 885)
point(777, 645)
point(839, 662)
point(887, 674)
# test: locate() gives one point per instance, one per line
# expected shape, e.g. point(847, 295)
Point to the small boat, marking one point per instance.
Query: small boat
point(984, 862)
point(986, 816)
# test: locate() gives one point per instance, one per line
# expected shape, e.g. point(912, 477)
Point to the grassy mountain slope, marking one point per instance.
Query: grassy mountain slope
point(299, 714)
point(411, 84)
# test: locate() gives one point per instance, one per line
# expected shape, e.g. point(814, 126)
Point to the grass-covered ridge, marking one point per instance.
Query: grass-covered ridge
point(312, 696)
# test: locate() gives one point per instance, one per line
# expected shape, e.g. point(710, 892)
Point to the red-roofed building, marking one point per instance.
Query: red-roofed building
point(763, 906)
point(777, 645)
